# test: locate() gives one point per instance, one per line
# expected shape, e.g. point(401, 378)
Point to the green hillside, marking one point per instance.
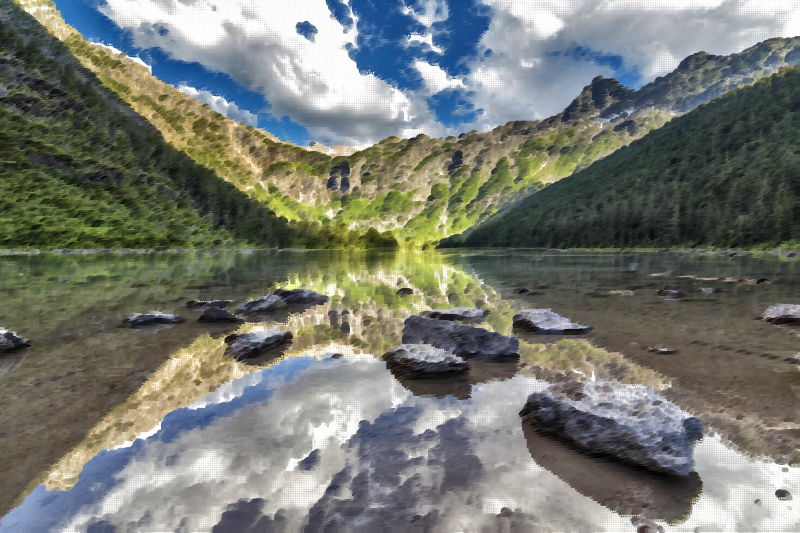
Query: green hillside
point(421, 189)
point(726, 174)
point(81, 169)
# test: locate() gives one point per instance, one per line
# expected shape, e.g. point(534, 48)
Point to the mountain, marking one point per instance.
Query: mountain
point(421, 189)
point(81, 169)
point(726, 174)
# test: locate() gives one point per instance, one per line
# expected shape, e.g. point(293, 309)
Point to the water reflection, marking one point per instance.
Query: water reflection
point(323, 432)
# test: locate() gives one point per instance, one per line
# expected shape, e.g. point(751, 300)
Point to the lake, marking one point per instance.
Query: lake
point(108, 428)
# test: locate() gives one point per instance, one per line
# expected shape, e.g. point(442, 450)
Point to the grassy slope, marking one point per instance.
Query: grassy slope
point(410, 186)
point(726, 174)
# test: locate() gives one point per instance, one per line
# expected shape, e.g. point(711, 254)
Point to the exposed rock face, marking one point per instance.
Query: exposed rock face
point(216, 314)
point(464, 341)
point(301, 296)
point(11, 341)
point(421, 361)
point(204, 304)
point(263, 304)
point(628, 422)
point(247, 345)
point(152, 318)
point(780, 314)
point(546, 322)
point(467, 314)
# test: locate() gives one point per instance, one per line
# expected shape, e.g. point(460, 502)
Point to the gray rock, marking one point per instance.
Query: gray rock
point(301, 296)
point(11, 341)
point(248, 345)
point(467, 314)
point(546, 322)
point(783, 494)
point(780, 314)
point(263, 304)
point(204, 304)
point(152, 318)
point(216, 314)
point(464, 341)
point(617, 420)
point(424, 362)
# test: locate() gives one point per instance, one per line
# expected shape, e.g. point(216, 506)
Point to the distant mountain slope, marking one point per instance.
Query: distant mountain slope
point(726, 174)
point(81, 169)
point(422, 189)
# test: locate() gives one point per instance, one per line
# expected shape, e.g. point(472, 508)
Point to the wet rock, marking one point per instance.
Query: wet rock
point(405, 291)
point(423, 361)
point(151, 318)
point(627, 426)
point(248, 345)
point(11, 341)
point(669, 293)
point(463, 341)
point(523, 291)
point(301, 296)
point(216, 314)
point(546, 322)
point(780, 314)
point(783, 494)
point(467, 314)
point(263, 304)
point(204, 304)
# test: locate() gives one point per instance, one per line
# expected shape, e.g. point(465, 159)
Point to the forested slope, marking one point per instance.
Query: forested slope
point(726, 174)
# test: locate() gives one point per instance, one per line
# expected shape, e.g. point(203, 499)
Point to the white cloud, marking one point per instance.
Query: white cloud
point(219, 104)
point(436, 79)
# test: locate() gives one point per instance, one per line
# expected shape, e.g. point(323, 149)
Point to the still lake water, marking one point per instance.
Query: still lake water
point(107, 428)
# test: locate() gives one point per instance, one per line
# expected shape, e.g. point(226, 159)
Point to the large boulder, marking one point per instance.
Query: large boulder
point(216, 314)
point(11, 341)
point(151, 319)
point(628, 422)
point(464, 341)
point(248, 345)
point(301, 296)
point(546, 322)
point(781, 314)
point(422, 361)
point(261, 305)
point(205, 304)
point(467, 314)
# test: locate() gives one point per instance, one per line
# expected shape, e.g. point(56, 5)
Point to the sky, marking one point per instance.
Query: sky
point(354, 72)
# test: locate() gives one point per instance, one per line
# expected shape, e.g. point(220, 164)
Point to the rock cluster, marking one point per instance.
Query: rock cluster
point(546, 322)
point(628, 422)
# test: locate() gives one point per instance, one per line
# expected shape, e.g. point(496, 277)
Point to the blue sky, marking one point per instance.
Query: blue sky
point(356, 71)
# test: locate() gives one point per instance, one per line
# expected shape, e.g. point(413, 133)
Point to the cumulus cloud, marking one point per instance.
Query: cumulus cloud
point(219, 104)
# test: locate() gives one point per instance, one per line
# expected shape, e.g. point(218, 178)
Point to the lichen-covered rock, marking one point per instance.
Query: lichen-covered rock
point(546, 322)
point(11, 341)
point(204, 304)
point(301, 296)
point(216, 314)
point(248, 345)
point(781, 314)
point(467, 314)
point(628, 422)
point(422, 361)
point(152, 318)
point(263, 304)
point(464, 341)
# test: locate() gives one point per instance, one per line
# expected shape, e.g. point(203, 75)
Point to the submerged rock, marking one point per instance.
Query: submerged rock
point(11, 341)
point(546, 322)
point(423, 361)
point(669, 293)
point(248, 345)
point(468, 314)
point(780, 314)
point(628, 422)
point(203, 304)
point(152, 318)
point(216, 314)
point(263, 304)
point(301, 296)
point(463, 341)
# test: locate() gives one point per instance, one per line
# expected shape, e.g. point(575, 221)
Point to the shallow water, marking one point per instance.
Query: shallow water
point(155, 429)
